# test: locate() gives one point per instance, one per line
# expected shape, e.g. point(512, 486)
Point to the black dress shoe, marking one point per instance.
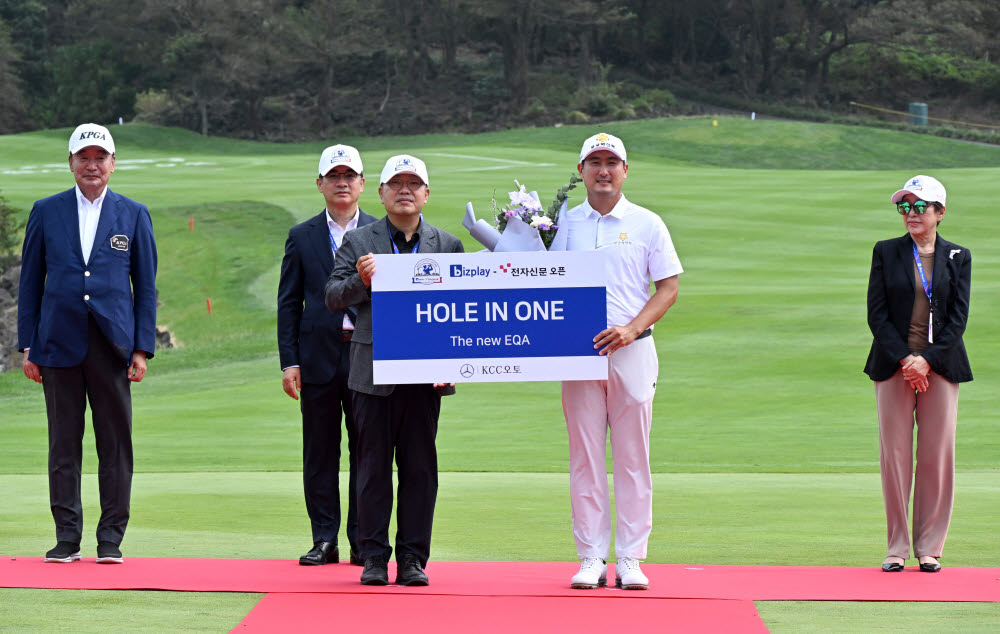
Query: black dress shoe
point(356, 559)
point(930, 567)
point(376, 572)
point(321, 553)
point(410, 573)
point(892, 567)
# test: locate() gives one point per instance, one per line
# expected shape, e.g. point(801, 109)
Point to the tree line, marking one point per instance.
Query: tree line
point(308, 68)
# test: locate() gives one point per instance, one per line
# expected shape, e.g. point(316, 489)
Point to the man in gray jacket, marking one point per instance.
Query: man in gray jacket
point(393, 421)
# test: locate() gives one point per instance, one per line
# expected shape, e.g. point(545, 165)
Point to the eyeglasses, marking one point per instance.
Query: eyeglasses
point(919, 207)
point(350, 177)
point(412, 185)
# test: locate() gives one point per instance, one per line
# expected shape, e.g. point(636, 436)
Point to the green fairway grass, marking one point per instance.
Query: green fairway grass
point(764, 441)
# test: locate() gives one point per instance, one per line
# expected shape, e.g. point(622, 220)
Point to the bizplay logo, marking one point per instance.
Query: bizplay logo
point(457, 270)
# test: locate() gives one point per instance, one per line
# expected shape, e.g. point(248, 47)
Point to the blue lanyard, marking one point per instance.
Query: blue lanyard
point(927, 291)
point(395, 249)
point(920, 269)
point(333, 244)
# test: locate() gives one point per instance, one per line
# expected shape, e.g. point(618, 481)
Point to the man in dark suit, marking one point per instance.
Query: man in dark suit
point(313, 344)
point(393, 420)
point(87, 324)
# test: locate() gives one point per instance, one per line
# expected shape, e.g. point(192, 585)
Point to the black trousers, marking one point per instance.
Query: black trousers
point(100, 379)
point(322, 404)
point(402, 425)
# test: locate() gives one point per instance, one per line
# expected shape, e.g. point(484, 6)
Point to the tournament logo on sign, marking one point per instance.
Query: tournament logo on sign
point(119, 243)
point(427, 271)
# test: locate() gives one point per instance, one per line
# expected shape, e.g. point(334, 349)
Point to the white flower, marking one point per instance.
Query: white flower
point(523, 200)
point(541, 220)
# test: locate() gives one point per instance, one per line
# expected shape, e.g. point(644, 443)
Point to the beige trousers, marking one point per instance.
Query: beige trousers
point(935, 413)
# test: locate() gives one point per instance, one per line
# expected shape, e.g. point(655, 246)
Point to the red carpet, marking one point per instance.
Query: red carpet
point(308, 613)
point(454, 578)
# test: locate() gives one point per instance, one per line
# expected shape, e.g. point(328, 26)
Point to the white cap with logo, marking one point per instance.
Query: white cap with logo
point(340, 155)
point(923, 187)
point(89, 134)
point(603, 141)
point(404, 164)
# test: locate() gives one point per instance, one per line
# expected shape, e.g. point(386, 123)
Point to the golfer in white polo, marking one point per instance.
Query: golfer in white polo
point(638, 250)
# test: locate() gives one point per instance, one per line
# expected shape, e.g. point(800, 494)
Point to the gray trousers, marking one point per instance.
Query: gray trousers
point(935, 413)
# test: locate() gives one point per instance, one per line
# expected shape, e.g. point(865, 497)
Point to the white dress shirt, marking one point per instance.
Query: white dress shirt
point(337, 233)
point(89, 214)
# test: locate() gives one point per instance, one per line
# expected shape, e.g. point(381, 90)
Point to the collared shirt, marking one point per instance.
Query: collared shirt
point(638, 248)
point(399, 237)
point(89, 213)
point(337, 235)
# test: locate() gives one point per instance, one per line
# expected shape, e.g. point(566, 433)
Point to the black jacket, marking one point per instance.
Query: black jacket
point(309, 335)
point(891, 289)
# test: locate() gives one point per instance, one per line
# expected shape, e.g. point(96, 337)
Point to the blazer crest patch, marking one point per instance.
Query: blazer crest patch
point(119, 243)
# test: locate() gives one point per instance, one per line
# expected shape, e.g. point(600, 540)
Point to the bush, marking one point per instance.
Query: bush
point(641, 104)
point(10, 234)
point(534, 111)
point(661, 99)
point(625, 112)
point(577, 117)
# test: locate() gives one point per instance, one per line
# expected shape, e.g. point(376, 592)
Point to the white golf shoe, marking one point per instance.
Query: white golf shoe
point(628, 575)
point(593, 574)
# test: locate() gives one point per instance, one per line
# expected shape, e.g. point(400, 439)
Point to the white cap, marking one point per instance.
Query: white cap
point(404, 164)
point(603, 141)
point(924, 188)
point(91, 134)
point(340, 155)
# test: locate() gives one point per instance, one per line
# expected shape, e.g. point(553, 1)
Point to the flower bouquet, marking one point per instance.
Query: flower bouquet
point(522, 224)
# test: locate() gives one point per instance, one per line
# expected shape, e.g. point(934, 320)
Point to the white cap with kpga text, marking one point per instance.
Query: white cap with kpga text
point(89, 134)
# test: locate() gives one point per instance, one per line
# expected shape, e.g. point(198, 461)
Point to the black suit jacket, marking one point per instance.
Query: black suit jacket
point(891, 289)
point(309, 335)
point(345, 288)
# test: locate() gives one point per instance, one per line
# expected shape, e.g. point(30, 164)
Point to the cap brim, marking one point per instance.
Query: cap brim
point(411, 172)
point(347, 165)
point(898, 196)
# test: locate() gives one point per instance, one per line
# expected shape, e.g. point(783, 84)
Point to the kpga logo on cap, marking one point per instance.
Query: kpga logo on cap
point(89, 134)
point(340, 155)
point(603, 141)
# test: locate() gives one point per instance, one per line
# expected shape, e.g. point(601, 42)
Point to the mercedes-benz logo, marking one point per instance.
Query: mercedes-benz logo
point(467, 371)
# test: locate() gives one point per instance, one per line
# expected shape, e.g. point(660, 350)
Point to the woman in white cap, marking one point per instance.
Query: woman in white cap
point(918, 305)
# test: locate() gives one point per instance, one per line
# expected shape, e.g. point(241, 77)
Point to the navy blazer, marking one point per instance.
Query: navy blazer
point(58, 289)
point(309, 335)
point(891, 290)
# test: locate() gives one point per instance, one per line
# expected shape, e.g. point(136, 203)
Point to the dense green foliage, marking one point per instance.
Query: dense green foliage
point(308, 69)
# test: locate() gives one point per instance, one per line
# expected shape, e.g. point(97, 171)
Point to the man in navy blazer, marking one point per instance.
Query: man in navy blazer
point(87, 324)
point(313, 345)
